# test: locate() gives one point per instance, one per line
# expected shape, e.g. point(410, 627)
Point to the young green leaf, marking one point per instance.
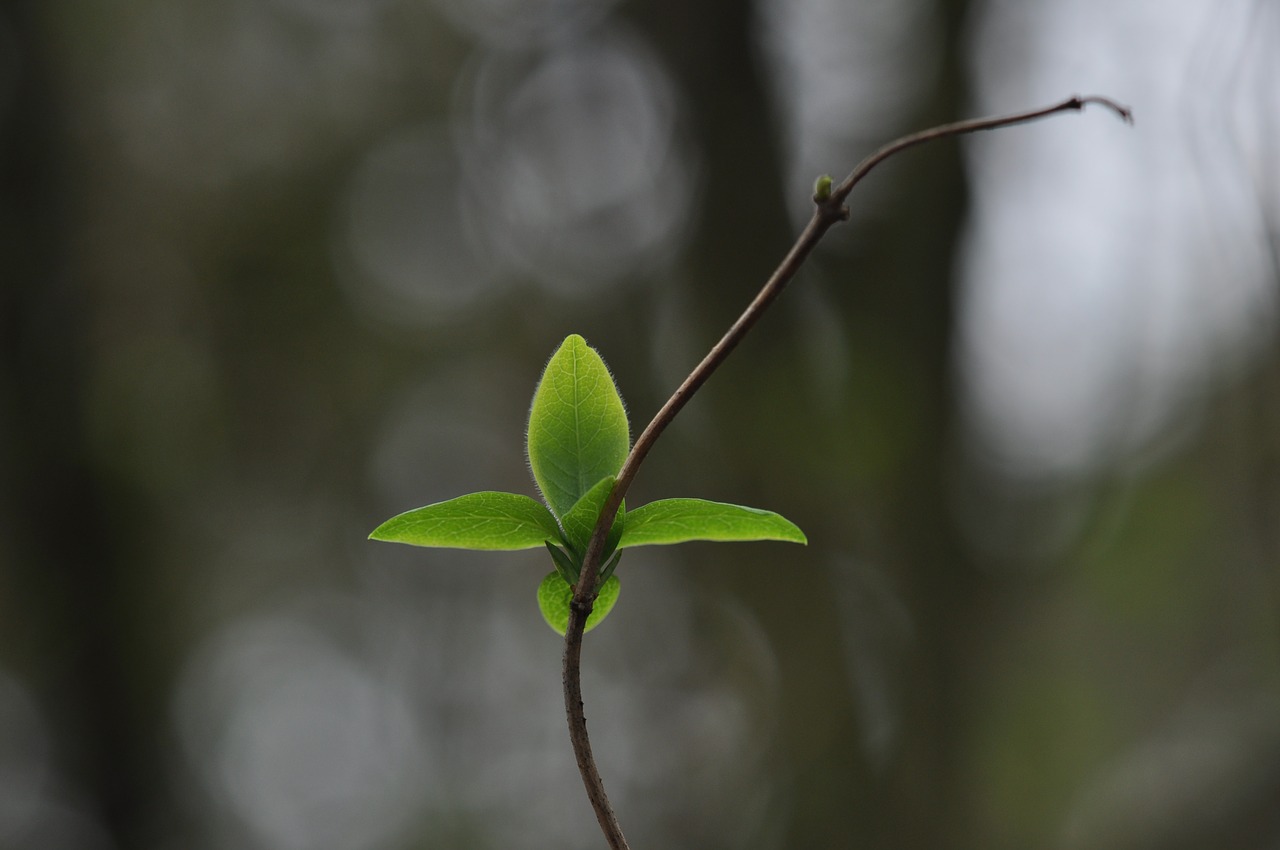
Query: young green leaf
point(607, 571)
point(568, 568)
point(486, 520)
point(580, 521)
point(578, 429)
point(679, 520)
point(554, 596)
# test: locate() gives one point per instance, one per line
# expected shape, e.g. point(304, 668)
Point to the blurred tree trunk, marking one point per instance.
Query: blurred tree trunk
point(901, 289)
point(742, 230)
point(66, 627)
point(904, 291)
point(941, 581)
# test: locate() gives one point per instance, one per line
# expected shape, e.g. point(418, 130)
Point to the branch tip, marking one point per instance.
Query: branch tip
point(1123, 112)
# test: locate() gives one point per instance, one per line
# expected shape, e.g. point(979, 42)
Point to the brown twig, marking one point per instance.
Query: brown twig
point(829, 209)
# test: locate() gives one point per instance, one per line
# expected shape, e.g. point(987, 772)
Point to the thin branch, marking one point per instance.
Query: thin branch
point(1074, 103)
point(829, 209)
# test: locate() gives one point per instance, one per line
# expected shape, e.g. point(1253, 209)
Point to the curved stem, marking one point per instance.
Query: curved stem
point(828, 211)
point(578, 728)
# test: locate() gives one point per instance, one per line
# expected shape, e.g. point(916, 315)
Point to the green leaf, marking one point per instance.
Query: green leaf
point(565, 563)
point(554, 596)
point(486, 520)
point(680, 520)
point(608, 569)
point(581, 519)
point(577, 425)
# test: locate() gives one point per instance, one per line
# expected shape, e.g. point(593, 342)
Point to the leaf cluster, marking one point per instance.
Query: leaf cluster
point(578, 440)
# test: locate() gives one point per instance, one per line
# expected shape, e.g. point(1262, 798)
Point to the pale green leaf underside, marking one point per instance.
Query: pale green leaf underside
point(487, 520)
point(681, 520)
point(578, 429)
point(554, 596)
point(580, 521)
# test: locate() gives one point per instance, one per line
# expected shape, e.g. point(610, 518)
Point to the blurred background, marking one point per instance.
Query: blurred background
point(274, 270)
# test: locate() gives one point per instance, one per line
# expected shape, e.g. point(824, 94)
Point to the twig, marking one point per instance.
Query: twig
point(829, 209)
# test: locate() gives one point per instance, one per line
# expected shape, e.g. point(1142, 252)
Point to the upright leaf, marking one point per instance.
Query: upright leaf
point(486, 520)
point(577, 425)
point(680, 520)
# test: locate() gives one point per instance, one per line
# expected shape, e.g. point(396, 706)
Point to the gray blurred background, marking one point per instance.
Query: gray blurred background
point(274, 270)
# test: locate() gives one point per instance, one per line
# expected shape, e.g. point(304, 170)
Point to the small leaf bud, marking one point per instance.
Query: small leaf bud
point(822, 188)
